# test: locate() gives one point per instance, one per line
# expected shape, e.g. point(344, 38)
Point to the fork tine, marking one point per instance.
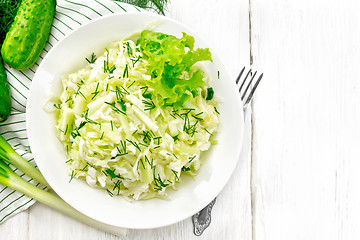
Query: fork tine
point(248, 86)
point(243, 82)
point(253, 89)
point(239, 76)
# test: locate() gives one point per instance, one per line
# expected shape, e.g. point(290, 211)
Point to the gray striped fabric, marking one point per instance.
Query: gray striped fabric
point(69, 16)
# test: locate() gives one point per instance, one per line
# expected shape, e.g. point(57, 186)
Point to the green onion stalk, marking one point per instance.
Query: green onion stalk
point(10, 179)
point(8, 154)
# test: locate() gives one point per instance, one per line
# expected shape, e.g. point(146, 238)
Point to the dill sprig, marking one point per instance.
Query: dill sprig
point(107, 68)
point(158, 6)
point(149, 104)
point(115, 108)
point(126, 71)
point(134, 144)
point(8, 9)
point(57, 105)
point(92, 59)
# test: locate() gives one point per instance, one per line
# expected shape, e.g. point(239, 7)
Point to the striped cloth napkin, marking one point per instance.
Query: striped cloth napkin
point(69, 16)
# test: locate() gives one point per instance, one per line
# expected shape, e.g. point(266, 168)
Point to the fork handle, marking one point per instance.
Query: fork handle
point(202, 219)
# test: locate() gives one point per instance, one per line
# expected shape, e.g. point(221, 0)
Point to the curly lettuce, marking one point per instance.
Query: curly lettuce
point(169, 58)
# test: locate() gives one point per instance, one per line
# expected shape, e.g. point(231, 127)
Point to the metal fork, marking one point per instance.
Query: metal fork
point(202, 219)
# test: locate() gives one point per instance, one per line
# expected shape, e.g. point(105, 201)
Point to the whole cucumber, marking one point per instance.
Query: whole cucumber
point(5, 97)
point(28, 33)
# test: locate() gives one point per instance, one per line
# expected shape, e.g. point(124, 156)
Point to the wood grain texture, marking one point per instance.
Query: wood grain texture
point(305, 181)
point(225, 26)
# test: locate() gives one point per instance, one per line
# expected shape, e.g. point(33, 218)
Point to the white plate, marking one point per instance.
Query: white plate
point(192, 194)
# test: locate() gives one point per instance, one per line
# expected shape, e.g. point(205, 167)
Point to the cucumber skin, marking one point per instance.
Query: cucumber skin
point(28, 33)
point(5, 97)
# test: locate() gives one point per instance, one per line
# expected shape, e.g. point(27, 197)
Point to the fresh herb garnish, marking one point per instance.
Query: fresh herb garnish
point(126, 71)
point(110, 193)
point(149, 104)
point(134, 61)
point(111, 173)
point(128, 48)
point(131, 84)
point(210, 94)
point(175, 174)
point(158, 6)
point(192, 158)
point(92, 59)
point(96, 92)
point(72, 175)
point(8, 10)
point(107, 68)
point(185, 169)
point(115, 108)
point(134, 144)
point(81, 94)
point(145, 94)
point(57, 106)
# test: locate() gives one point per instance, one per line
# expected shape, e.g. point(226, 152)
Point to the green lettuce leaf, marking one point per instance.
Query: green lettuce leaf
point(169, 59)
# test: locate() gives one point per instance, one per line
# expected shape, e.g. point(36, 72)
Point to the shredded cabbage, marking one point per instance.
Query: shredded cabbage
point(137, 117)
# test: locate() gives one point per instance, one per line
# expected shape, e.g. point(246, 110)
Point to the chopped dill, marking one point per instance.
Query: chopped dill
point(145, 94)
point(122, 105)
point(111, 173)
point(72, 175)
point(149, 104)
point(134, 144)
point(84, 167)
point(210, 94)
point(177, 177)
point(208, 131)
point(147, 160)
point(134, 61)
point(69, 160)
point(115, 108)
point(144, 145)
point(128, 48)
point(92, 59)
point(158, 139)
point(96, 92)
point(57, 105)
point(157, 5)
point(131, 84)
point(81, 94)
point(110, 193)
point(126, 71)
point(70, 98)
point(176, 137)
point(140, 161)
point(185, 169)
point(88, 120)
point(192, 158)
point(117, 185)
point(75, 133)
point(127, 92)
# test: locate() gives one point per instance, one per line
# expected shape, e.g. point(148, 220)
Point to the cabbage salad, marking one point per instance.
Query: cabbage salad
point(137, 117)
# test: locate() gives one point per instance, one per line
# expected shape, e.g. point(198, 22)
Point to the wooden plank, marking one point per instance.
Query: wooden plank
point(15, 227)
point(305, 182)
point(45, 223)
